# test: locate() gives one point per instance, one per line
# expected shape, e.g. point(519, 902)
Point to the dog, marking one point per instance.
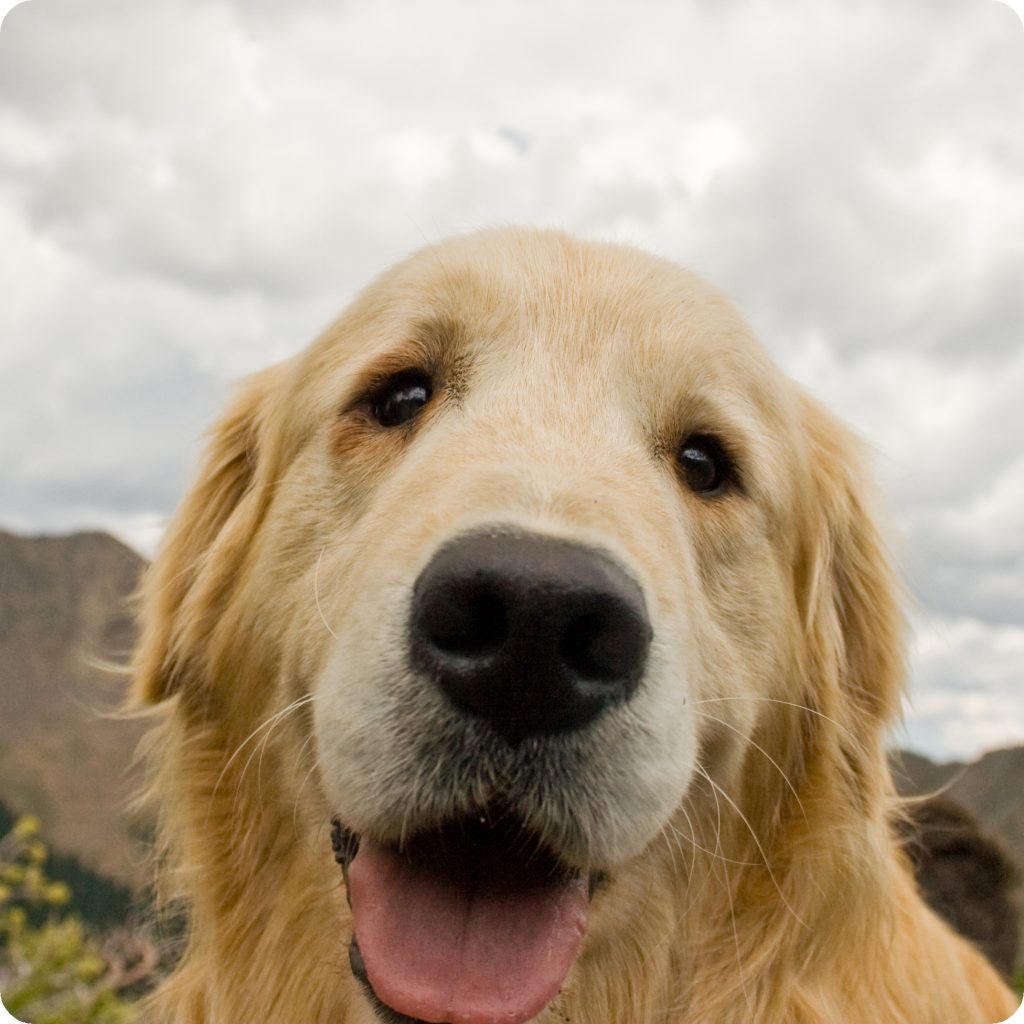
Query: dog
point(522, 652)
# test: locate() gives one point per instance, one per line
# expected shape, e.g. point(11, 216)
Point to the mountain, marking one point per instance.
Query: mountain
point(991, 787)
point(64, 612)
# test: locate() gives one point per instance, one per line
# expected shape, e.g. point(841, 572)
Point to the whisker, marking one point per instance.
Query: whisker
point(261, 748)
point(305, 778)
point(758, 747)
point(692, 840)
point(266, 724)
point(757, 842)
point(728, 889)
point(789, 703)
point(316, 594)
point(672, 837)
point(714, 854)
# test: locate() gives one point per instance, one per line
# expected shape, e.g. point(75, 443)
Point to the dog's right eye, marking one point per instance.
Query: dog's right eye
point(706, 467)
point(400, 399)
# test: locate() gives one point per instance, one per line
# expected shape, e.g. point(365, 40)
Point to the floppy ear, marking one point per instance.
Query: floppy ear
point(204, 544)
point(851, 599)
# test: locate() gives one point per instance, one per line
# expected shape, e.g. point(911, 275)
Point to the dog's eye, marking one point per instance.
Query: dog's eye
point(706, 467)
point(400, 399)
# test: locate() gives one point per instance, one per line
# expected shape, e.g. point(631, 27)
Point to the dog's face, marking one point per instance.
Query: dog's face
point(528, 534)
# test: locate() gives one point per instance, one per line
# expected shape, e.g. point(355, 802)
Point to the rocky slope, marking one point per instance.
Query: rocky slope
point(64, 618)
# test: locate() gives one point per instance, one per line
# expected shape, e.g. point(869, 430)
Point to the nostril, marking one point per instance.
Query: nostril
point(583, 647)
point(605, 646)
point(469, 622)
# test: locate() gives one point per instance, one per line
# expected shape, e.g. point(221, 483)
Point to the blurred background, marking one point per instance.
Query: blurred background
point(191, 190)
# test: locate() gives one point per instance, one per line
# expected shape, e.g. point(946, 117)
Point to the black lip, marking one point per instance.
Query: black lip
point(344, 842)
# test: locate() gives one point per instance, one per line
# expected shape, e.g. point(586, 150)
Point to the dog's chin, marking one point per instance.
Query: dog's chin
point(474, 920)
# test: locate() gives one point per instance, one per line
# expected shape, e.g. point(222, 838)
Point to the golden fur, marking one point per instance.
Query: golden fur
point(771, 890)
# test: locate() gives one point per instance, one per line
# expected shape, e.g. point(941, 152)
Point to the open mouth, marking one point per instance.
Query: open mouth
point(474, 922)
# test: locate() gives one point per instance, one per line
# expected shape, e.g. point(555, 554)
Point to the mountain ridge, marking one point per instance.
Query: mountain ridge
point(64, 756)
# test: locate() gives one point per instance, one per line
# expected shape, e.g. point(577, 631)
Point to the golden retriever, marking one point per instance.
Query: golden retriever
point(537, 592)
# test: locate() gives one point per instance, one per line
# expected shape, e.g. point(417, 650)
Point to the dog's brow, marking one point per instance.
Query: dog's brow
point(442, 335)
point(432, 345)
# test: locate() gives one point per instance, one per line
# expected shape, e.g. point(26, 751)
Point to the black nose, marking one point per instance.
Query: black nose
point(532, 634)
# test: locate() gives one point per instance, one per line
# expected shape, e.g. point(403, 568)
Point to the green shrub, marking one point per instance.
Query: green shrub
point(51, 973)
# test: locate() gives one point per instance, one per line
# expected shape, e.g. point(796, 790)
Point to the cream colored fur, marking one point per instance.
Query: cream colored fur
point(745, 820)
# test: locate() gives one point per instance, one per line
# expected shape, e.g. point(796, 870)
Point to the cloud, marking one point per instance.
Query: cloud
point(967, 695)
point(190, 190)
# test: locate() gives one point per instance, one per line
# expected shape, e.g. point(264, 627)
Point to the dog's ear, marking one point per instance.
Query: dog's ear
point(850, 598)
point(204, 544)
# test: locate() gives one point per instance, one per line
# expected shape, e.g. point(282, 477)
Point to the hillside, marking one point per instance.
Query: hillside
point(63, 608)
point(992, 787)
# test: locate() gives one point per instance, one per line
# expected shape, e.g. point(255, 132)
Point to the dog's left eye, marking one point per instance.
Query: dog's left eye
point(400, 399)
point(706, 467)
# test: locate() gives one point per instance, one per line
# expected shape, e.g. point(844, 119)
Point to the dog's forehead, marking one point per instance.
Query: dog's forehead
point(553, 300)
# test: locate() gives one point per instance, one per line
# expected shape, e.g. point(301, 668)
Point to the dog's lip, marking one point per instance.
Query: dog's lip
point(344, 842)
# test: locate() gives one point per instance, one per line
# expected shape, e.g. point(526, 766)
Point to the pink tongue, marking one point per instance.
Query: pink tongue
point(442, 947)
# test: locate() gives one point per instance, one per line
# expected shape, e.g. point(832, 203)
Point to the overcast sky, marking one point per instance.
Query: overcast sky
point(190, 190)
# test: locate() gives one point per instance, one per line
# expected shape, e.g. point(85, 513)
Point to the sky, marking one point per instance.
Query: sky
point(191, 189)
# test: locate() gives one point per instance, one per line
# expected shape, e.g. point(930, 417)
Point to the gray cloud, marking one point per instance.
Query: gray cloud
point(191, 190)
